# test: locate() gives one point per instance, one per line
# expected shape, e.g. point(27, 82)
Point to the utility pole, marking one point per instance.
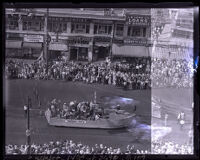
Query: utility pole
point(111, 55)
point(46, 39)
point(28, 133)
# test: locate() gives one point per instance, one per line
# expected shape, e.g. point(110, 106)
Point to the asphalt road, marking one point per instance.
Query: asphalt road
point(16, 92)
point(173, 101)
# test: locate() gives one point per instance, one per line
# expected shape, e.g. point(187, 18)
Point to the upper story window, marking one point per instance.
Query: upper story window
point(144, 32)
point(102, 29)
point(54, 26)
point(183, 34)
point(185, 23)
point(137, 31)
point(12, 22)
point(80, 28)
point(134, 31)
point(119, 30)
point(33, 24)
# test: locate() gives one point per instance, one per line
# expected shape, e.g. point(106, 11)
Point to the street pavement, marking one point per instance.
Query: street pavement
point(16, 92)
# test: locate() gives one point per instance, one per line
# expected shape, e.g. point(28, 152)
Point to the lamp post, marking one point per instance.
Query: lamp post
point(28, 133)
point(113, 33)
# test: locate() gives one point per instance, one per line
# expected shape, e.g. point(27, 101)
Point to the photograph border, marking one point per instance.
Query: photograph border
point(110, 5)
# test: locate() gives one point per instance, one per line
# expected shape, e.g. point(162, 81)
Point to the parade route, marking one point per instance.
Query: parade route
point(18, 90)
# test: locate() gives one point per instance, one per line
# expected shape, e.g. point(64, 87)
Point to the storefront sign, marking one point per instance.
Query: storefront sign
point(119, 41)
point(58, 47)
point(102, 22)
point(138, 20)
point(33, 38)
point(80, 20)
point(135, 41)
point(102, 39)
point(79, 40)
point(13, 36)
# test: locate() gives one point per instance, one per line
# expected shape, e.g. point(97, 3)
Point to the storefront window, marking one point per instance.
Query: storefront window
point(119, 29)
point(102, 29)
point(80, 28)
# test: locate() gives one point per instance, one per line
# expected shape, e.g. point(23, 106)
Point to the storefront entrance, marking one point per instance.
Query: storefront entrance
point(55, 55)
point(101, 53)
point(79, 53)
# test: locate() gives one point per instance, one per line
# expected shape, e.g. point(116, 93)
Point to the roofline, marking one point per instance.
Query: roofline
point(87, 16)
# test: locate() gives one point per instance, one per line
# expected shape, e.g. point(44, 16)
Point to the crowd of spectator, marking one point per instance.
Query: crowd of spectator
point(134, 75)
point(69, 147)
point(171, 73)
point(168, 147)
point(140, 74)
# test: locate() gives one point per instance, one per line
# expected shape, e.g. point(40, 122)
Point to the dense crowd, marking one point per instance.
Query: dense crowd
point(134, 75)
point(69, 147)
point(171, 73)
point(165, 147)
point(140, 74)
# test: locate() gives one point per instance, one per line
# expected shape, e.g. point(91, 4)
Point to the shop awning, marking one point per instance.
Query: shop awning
point(58, 47)
point(32, 45)
point(102, 44)
point(130, 51)
point(13, 44)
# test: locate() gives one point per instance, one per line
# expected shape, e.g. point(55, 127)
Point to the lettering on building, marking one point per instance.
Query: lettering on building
point(138, 20)
point(102, 39)
point(79, 40)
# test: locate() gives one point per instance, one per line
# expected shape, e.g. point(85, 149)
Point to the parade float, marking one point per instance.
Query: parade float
point(104, 118)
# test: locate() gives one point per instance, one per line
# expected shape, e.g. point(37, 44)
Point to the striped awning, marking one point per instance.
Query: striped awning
point(130, 51)
point(32, 45)
point(58, 47)
point(13, 44)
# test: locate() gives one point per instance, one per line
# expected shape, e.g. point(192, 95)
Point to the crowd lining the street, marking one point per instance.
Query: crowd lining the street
point(140, 74)
point(171, 73)
point(128, 76)
point(168, 147)
point(69, 147)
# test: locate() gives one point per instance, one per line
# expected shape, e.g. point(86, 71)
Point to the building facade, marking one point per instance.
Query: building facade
point(79, 34)
point(176, 38)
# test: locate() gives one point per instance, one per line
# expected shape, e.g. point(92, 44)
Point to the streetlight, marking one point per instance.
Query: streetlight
point(28, 133)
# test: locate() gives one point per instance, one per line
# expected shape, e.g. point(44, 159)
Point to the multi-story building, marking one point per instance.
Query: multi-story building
point(78, 33)
point(176, 38)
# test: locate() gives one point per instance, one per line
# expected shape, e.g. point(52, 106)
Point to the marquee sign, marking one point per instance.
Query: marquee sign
point(71, 19)
point(138, 20)
point(79, 40)
point(132, 41)
point(135, 41)
point(33, 38)
point(102, 39)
